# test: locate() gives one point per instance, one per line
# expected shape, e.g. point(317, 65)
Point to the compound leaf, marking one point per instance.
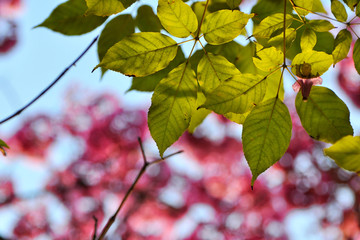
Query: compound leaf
point(270, 24)
point(342, 45)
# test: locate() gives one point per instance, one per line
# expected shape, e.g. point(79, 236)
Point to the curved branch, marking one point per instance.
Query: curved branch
point(50, 86)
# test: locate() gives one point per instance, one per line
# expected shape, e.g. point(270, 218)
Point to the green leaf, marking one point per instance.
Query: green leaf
point(308, 40)
point(148, 83)
point(320, 25)
point(237, 94)
point(357, 12)
point(266, 135)
point(341, 45)
point(270, 24)
point(273, 84)
point(352, 3)
point(198, 115)
point(306, 4)
point(212, 70)
point(3, 145)
point(69, 19)
point(107, 7)
point(198, 8)
point(356, 55)
point(177, 18)
point(113, 32)
point(318, 6)
point(146, 20)
point(268, 59)
point(224, 25)
point(339, 11)
point(140, 54)
point(324, 116)
point(238, 118)
point(346, 153)
point(319, 61)
point(173, 102)
point(278, 40)
point(233, 4)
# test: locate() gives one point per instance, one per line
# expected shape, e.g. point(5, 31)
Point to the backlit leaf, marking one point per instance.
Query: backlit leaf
point(266, 135)
point(270, 24)
point(305, 5)
point(172, 104)
point(320, 25)
point(146, 20)
point(356, 55)
point(346, 153)
point(352, 3)
point(177, 18)
point(341, 45)
point(308, 40)
point(3, 145)
point(268, 59)
point(339, 11)
point(140, 54)
point(212, 70)
point(319, 61)
point(69, 18)
point(238, 118)
point(278, 40)
point(224, 25)
point(107, 7)
point(237, 94)
point(324, 116)
point(233, 3)
point(200, 114)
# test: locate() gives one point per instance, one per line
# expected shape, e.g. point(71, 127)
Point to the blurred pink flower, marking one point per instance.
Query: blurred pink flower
point(305, 85)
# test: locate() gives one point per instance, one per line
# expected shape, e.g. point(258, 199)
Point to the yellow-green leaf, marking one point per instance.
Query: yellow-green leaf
point(238, 118)
point(319, 61)
point(308, 40)
point(346, 153)
point(324, 116)
point(341, 45)
point(268, 59)
point(177, 18)
point(212, 70)
point(320, 25)
point(278, 40)
point(146, 20)
point(200, 114)
point(339, 11)
point(356, 55)
point(303, 6)
point(3, 145)
point(266, 135)
point(69, 18)
point(237, 94)
point(224, 25)
point(172, 104)
point(107, 7)
point(140, 54)
point(233, 4)
point(270, 24)
point(352, 3)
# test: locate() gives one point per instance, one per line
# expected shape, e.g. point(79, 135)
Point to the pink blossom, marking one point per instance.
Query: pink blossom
point(305, 84)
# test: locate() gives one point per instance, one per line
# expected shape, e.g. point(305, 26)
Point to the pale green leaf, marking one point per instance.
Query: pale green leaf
point(224, 25)
point(270, 24)
point(148, 83)
point(278, 40)
point(303, 6)
point(341, 45)
point(233, 4)
point(107, 7)
point(319, 61)
point(3, 145)
point(140, 54)
point(212, 70)
point(324, 116)
point(356, 55)
point(172, 104)
point(198, 8)
point(320, 25)
point(146, 20)
point(274, 85)
point(69, 19)
point(339, 11)
point(198, 115)
point(237, 94)
point(238, 118)
point(308, 40)
point(268, 59)
point(266, 135)
point(318, 6)
point(346, 153)
point(177, 18)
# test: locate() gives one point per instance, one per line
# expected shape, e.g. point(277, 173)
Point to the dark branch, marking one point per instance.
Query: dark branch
point(95, 228)
point(50, 86)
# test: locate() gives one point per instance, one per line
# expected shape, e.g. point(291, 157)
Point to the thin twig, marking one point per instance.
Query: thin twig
point(95, 228)
point(50, 86)
point(146, 164)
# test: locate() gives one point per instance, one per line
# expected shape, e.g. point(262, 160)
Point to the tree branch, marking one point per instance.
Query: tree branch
point(146, 164)
point(50, 86)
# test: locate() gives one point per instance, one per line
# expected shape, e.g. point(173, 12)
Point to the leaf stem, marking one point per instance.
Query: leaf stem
point(51, 85)
point(202, 19)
